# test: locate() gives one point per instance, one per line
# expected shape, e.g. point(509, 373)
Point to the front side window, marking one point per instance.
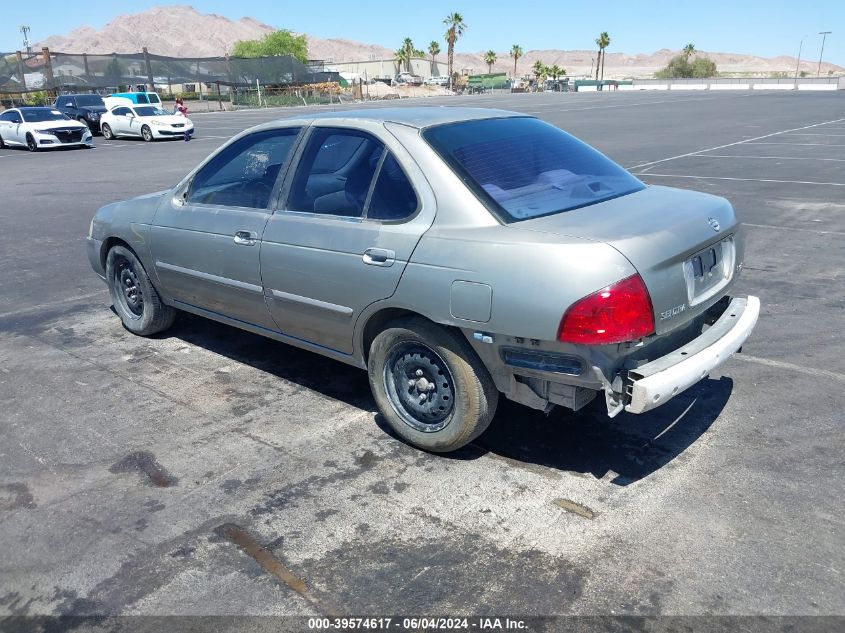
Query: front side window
point(245, 172)
point(523, 168)
point(335, 173)
point(11, 116)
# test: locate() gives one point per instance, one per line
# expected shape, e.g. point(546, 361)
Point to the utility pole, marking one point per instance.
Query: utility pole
point(25, 30)
point(824, 35)
point(798, 63)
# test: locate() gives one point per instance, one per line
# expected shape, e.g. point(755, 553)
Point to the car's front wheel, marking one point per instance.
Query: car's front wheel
point(147, 133)
point(31, 144)
point(133, 295)
point(107, 133)
point(430, 385)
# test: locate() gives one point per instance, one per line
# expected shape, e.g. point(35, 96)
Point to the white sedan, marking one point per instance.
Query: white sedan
point(147, 121)
point(39, 128)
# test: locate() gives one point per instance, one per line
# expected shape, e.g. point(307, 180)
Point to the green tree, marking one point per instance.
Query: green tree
point(490, 59)
point(515, 53)
point(679, 68)
point(602, 41)
point(540, 70)
point(555, 71)
point(689, 51)
point(274, 44)
point(434, 51)
point(401, 59)
point(408, 48)
point(703, 67)
point(455, 27)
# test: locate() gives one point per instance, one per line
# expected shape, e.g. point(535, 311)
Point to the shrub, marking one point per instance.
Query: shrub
point(680, 67)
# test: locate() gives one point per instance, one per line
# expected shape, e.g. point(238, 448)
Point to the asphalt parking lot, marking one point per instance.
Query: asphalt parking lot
point(211, 471)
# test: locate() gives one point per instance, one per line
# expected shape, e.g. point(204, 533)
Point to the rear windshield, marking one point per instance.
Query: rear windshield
point(39, 115)
point(524, 168)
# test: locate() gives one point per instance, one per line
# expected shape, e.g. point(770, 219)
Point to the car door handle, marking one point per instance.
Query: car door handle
point(244, 238)
point(379, 257)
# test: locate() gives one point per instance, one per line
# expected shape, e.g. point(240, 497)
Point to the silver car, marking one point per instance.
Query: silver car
point(456, 254)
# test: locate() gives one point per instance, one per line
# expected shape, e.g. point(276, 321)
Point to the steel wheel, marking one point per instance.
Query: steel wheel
point(147, 133)
point(128, 288)
point(419, 386)
point(136, 301)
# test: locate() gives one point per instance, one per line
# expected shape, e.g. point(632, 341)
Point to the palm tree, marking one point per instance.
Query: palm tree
point(455, 27)
point(408, 47)
point(556, 71)
point(516, 53)
point(401, 59)
point(433, 50)
point(689, 50)
point(490, 59)
point(603, 41)
point(539, 69)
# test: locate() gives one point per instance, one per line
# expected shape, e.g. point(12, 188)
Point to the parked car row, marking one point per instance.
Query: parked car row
point(74, 119)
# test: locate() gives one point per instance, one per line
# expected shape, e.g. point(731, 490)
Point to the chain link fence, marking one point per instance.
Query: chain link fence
point(283, 80)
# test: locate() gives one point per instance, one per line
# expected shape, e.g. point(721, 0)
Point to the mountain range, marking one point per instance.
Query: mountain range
point(182, 31)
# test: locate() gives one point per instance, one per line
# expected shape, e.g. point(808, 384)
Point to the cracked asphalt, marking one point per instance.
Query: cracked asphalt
point(210, 471)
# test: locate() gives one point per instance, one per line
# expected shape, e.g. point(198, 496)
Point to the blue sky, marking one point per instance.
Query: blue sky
point(766, 28)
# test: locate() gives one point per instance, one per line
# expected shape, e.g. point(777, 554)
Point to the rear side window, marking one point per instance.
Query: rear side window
point(524, 168)
point(335, 173)
point(393, 197)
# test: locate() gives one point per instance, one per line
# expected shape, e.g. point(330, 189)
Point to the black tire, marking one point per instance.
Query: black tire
point(147, 134)
point(106, 130)
point(31, 145)
point(430, 385)
point(133, 296)
point(2, 143)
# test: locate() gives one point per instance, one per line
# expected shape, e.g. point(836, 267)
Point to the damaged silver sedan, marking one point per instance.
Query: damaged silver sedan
point(456, 254)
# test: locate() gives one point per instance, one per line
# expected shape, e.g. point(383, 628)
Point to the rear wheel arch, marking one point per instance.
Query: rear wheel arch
point(382, 319)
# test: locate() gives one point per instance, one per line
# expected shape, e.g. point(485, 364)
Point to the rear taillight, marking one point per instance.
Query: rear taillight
point(621, 312)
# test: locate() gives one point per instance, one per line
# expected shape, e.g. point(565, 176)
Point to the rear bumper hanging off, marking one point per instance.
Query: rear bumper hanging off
point(655, 383)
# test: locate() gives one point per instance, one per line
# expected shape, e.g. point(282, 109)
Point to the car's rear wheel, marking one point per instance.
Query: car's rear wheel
point(107, 133)
point(430, 385)
point(31, 145)
point(2, 143)
point(147, 134)
point(133, 295)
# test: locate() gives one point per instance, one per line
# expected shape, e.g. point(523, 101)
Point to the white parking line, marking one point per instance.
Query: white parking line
point(710, 149)
point(786, 182)
point(811, 134)
point(835, 160)
point(792, 228)
point(812, 371)
point(796, 144)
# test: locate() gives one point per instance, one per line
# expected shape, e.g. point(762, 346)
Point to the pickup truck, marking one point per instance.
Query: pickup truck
point(85, 108)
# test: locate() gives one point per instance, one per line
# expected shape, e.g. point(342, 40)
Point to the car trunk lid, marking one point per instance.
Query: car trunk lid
point(681, 242)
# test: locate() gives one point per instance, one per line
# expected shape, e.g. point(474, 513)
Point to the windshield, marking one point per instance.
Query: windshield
point(150, 111)
point(89, 100)
point(38, 115)
point(524, 168)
